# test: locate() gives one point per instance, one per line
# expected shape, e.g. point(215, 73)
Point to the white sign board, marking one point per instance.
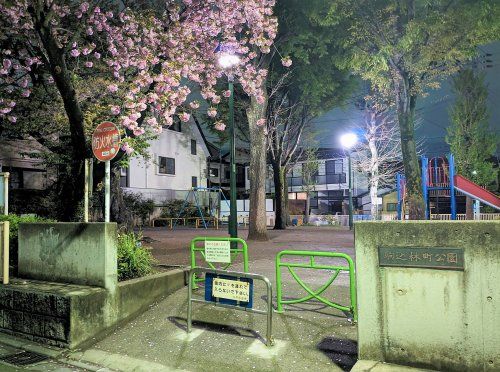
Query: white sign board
point(218, 251)
point(231, 289)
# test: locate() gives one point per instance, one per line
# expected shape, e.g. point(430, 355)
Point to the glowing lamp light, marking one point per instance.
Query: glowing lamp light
point(348, 140)
point(228, 60)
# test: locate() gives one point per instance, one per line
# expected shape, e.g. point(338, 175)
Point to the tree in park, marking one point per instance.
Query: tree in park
point(309, 172)
point(471, 140)
point(378, 151)
point(405, 48)
point(150, 53)
point(294, 96)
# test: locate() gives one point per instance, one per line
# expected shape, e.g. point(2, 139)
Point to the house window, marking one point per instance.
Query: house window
point(193, 147)
point(194, 181)
point(214, 172)
point(228, 175)
point(392, 207)
point(166, 165)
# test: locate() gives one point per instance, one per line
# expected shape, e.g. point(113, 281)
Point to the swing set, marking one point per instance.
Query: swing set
point(208, 199)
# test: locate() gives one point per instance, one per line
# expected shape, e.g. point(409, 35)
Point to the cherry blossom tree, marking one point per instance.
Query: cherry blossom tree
point(153, 53)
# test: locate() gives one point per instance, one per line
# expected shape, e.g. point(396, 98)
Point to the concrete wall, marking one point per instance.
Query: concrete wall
point(429, 317)
point(78, 253)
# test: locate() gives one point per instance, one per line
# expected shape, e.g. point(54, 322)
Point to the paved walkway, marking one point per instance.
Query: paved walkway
point(308, 336)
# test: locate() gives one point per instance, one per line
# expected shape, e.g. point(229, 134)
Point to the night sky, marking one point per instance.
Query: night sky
point(432, 111)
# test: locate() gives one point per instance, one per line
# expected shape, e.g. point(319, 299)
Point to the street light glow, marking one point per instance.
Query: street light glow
point(228, 60)
point(348, 140)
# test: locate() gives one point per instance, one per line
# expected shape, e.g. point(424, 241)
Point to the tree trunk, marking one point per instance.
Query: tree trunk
point(72, 188)
point(374, 177)
point(279, 196)
point(374, 198)
point(308, 207)
point(257, 229)
point(469, 208)
point(406, 103)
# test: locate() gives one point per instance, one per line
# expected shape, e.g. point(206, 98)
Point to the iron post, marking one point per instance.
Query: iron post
point(233, 222)
point(350, 189)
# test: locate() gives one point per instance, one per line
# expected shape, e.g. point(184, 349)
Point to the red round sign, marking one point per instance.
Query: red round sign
point(105, 141)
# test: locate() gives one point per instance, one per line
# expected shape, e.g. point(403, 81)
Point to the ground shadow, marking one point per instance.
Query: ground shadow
point(314, 306)
point(344, 353)
point(214, 327)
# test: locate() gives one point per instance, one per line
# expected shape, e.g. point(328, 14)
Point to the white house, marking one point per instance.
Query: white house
point(177, 162)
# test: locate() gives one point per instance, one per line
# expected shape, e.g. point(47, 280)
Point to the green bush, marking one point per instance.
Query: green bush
point(134, 260)
point(173, 208)
point(14, 221)
point(138, 206)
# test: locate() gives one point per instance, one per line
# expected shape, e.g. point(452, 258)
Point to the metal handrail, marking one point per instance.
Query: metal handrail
point(236, 274)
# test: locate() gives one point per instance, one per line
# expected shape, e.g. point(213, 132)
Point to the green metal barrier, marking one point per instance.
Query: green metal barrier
point(350, 310)
point(235, 252)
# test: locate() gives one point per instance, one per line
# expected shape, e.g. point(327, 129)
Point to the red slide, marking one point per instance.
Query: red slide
point(476, 192)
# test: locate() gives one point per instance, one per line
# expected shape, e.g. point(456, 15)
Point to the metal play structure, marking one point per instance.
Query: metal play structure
point(440, 185)
point(350, 311)
point(208, 198)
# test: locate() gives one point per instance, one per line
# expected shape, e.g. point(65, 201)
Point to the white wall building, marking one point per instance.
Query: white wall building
point(177, 162)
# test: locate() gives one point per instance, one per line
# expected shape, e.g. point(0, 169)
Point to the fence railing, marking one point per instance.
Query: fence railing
point(350, 311)
point(4, 251)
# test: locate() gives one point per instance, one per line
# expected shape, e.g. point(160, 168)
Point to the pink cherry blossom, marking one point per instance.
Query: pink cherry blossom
point(286, 61)
point(219, 125)
point(152, 122)
point(227, 93)
point(184, 117)
point(127, 148)
point(152, 61)
point(261, 122)
point(12, 119)
point(212, 112)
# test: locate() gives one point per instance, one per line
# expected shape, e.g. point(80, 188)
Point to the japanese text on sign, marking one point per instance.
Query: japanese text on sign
point(218, 251)
point(438, 258)
point(231, 289)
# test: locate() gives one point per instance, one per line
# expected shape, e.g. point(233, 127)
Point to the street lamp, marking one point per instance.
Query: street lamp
point(347, 141)
point(227, 61)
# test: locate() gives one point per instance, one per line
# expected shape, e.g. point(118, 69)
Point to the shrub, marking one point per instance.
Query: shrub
point(14, 221)
point(174, 207)
point(134, 260)
point(138, 205)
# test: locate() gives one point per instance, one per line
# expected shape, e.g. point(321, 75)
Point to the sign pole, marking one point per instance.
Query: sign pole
point(105, 146)
point(107, 190)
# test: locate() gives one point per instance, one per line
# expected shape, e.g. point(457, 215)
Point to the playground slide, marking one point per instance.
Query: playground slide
point(476, 192)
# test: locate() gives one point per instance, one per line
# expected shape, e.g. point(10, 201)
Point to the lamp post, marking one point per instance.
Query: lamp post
point(347, 141)
point(227, 61)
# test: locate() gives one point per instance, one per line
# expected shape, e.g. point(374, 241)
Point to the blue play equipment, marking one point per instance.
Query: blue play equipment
point(439, 180)
point(438, 176)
